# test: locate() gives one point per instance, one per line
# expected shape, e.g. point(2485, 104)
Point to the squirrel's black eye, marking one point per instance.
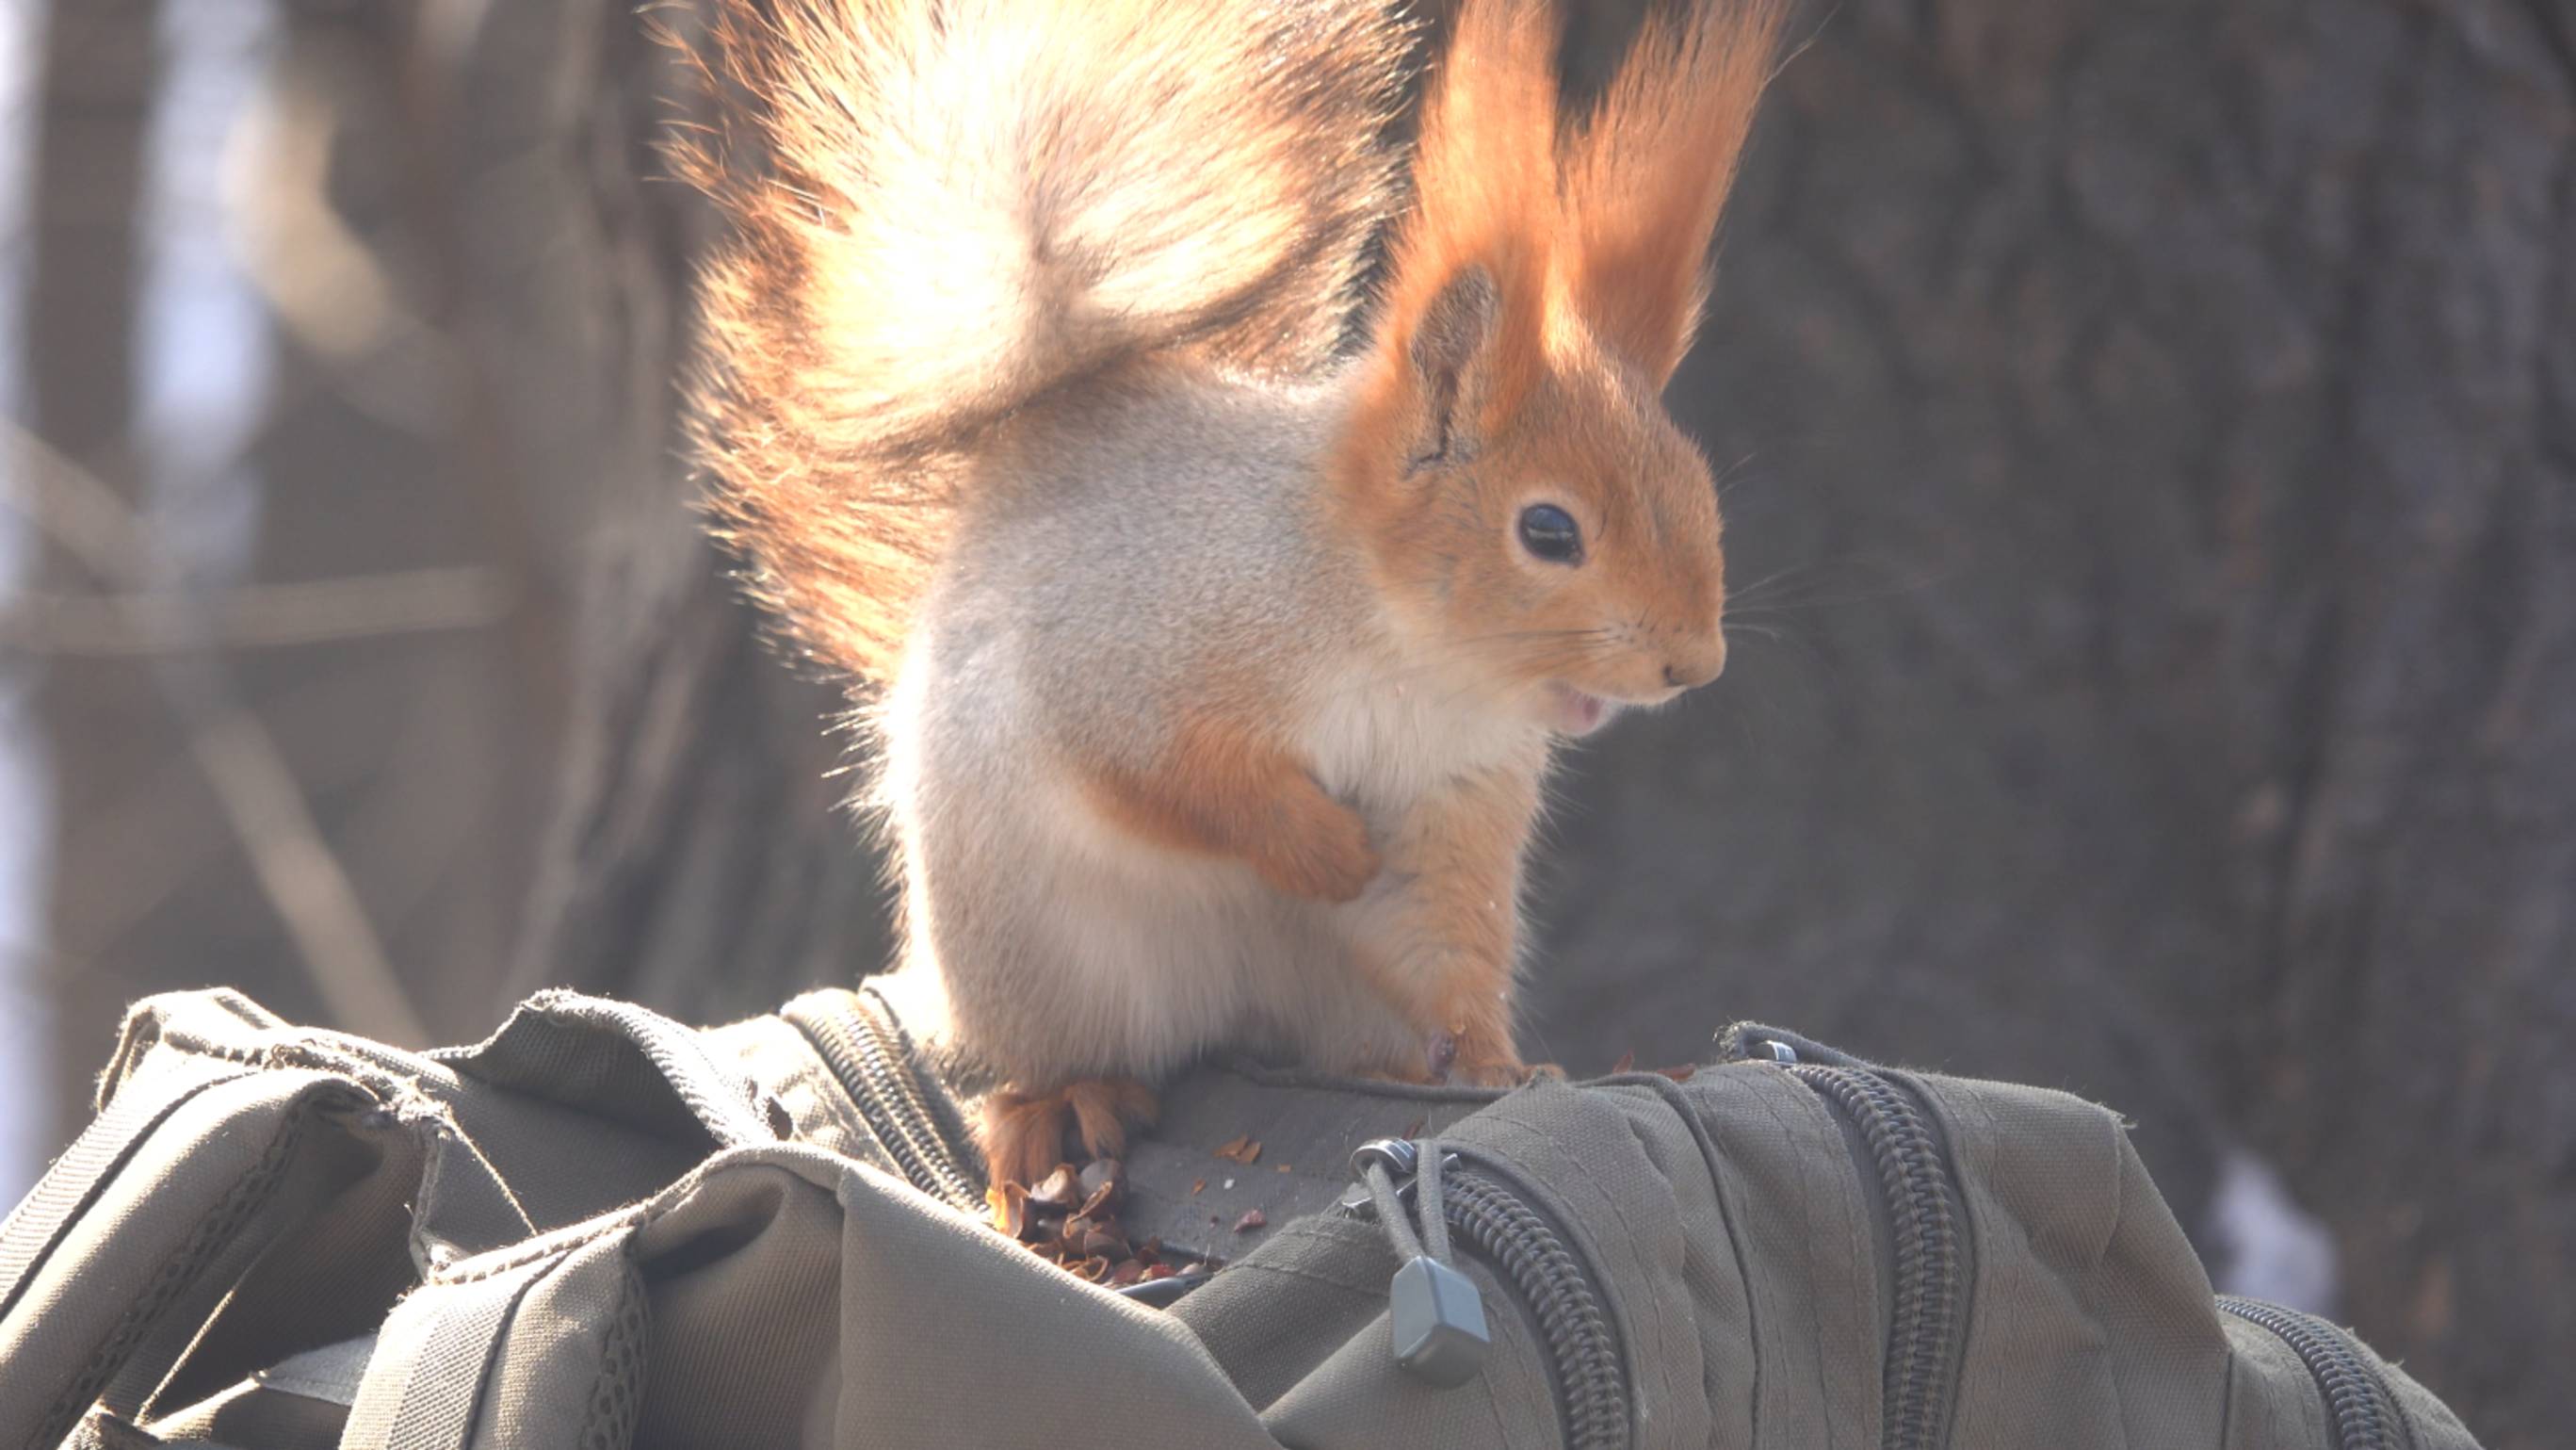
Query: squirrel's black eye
point(1551, 533)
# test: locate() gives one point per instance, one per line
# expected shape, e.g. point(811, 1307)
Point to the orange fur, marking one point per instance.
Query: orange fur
point(912, 262)
point(1485, 189)
point(1647, 177)
point(1602, 227)
point(1025, 1135)
point(986, 250)
point(1587, 439)
point(1448, 959)
point(1224, 790)
point(1538, 299)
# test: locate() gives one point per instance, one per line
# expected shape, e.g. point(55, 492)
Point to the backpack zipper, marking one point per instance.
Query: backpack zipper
point(2358, 1403)
point(1500, 1225)
point(875, 1068)
point(1930, 1277)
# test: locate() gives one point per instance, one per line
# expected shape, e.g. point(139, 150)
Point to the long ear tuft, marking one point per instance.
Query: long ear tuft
point(1557, 230)
point(1647, 175)
point(1485, 196)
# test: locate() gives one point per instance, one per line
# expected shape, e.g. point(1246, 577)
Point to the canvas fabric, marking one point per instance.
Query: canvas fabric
point(599, 1228)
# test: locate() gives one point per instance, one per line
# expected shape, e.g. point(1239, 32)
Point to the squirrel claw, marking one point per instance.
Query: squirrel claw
point(1492, 1075)
point(1025, 1135)
point(1440, 1055)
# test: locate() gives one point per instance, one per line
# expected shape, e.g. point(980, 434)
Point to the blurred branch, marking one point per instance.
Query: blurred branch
point(410, 601)
point(429, 68)
point(303, 880)
point(326, 287)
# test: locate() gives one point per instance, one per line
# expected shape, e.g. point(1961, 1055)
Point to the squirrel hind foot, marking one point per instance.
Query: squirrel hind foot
point(1025, 1135)
point(1104, 1109)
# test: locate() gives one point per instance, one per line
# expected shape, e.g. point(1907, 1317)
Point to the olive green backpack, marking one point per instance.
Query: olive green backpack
point(599, 1228)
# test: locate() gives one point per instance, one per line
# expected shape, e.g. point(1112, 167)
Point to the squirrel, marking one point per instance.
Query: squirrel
point(1214, 606)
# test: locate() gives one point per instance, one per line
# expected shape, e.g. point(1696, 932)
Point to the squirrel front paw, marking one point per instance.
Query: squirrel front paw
point(1321, 852)
point(1506, 1072)
point(1447, 1058)
point(1025, 1135)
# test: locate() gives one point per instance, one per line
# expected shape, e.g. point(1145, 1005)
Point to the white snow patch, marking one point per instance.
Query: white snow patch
point(2270, 1248)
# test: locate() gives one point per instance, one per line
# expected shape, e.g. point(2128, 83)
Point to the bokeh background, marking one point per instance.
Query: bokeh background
point(2150, 444)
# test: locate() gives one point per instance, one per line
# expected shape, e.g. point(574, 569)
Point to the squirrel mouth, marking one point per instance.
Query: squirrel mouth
point(1572, 712)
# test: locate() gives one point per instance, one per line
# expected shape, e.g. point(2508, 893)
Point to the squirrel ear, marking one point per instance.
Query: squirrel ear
point(1448, 352)
point(1646, 177)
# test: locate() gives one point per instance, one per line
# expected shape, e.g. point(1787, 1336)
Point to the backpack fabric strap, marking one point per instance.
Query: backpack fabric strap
point(72, 1183)
point(535, 1348)
point(148, 1228)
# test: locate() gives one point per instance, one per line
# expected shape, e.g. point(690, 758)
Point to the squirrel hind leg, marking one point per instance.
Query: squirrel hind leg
point(1105, 1108)
point(1022, 1135)
point(1025, 1135)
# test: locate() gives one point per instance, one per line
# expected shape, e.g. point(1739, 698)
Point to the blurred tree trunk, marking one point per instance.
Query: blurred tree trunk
point(697, 858)
point(98, 70)
point(2181, 402)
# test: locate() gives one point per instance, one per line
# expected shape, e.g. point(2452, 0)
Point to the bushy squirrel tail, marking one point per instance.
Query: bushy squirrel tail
point(944, 209)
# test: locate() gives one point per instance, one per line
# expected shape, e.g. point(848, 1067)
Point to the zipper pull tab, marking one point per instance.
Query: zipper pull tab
point(1435, 1315)
point(1439, 1323)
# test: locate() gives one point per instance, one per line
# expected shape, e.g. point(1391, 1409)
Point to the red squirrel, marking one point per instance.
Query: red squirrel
point(1212, 664)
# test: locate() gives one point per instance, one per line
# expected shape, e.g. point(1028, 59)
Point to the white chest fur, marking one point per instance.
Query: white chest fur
point(1385, 737)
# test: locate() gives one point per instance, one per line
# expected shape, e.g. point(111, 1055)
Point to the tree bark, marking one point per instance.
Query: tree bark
point(2171, 406)
point(98, 71)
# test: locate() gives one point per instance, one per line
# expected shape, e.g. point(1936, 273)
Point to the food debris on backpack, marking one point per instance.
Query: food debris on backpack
point(1060, 1189)
point(1244, 1150)
point(1103, 1184)
point(1070, 1219)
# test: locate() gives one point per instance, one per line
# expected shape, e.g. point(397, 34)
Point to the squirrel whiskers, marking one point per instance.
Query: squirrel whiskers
point(1216, 671)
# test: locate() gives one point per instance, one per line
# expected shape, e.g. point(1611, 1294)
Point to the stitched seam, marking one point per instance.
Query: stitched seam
point(173, 1278)
point(552, 1247)
point(1310, 1276)
point(89, 1194)
point(199, 1047)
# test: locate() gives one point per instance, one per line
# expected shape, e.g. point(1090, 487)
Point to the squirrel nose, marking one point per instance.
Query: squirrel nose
point(1694, 668)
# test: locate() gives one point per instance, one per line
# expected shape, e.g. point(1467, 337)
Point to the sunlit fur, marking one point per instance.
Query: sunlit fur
point(1215, 692)
point(1593, 240)
point(942, 209)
